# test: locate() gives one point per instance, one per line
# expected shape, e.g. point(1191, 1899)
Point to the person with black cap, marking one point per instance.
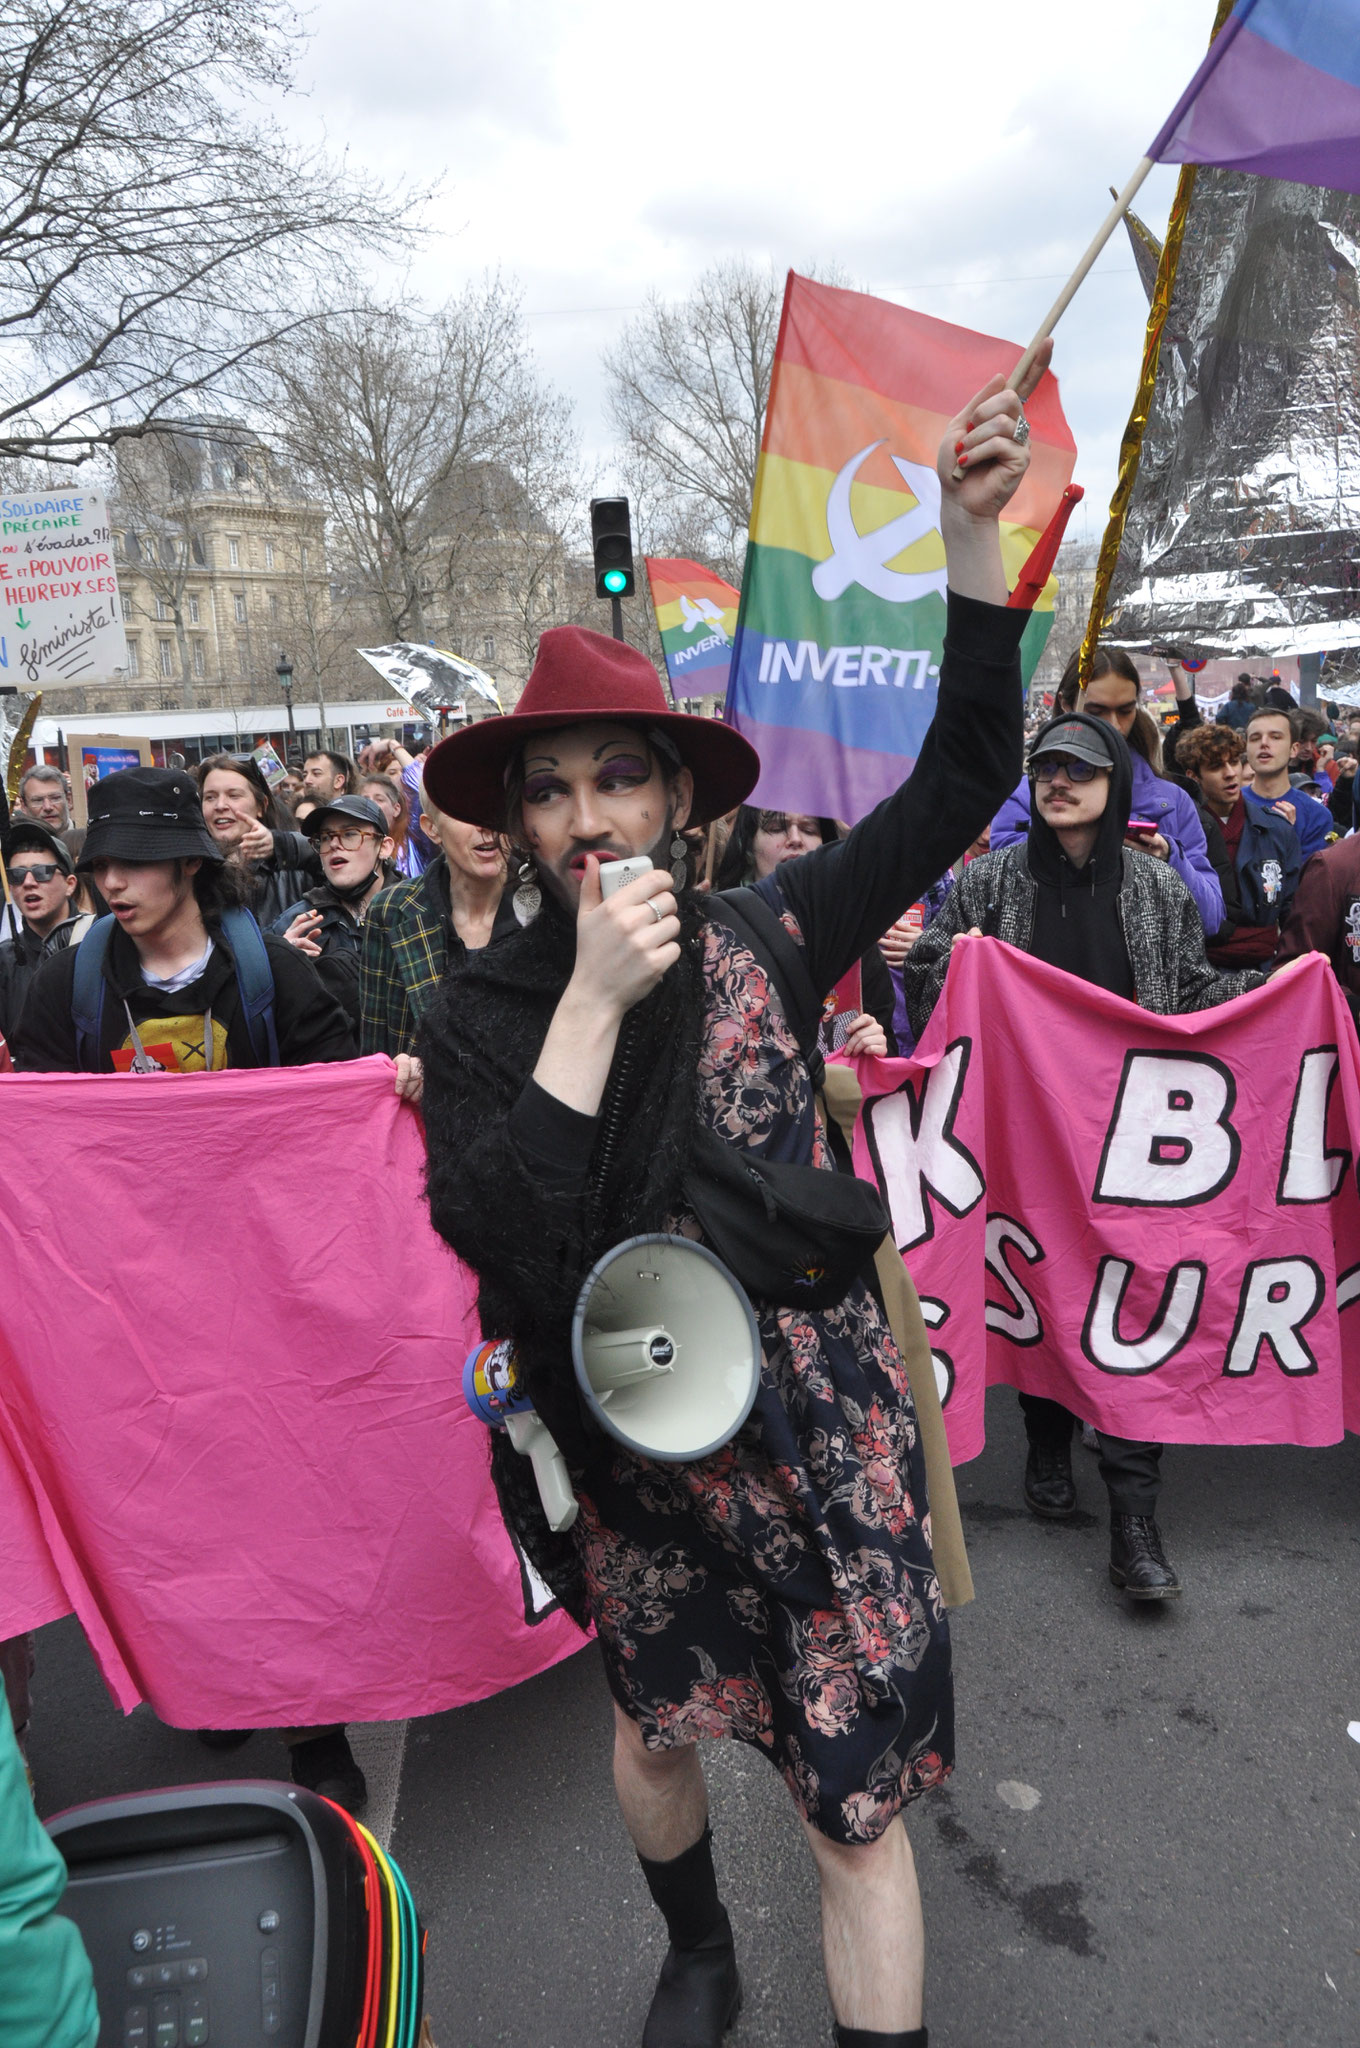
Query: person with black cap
point(1078, 893)
point(351, 835)
point(175, 958)
point(42, 881)
point(780, 1590)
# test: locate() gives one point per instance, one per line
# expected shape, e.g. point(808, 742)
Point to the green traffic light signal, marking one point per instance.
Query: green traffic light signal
point(615, 581)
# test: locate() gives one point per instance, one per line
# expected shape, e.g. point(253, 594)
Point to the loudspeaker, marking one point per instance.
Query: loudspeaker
point(666, 1348)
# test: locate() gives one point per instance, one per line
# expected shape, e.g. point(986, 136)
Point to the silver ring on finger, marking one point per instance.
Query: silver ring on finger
point(656, 911)
point(1022, 428)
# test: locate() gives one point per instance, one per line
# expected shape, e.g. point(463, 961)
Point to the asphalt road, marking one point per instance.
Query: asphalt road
point(1151, 1837)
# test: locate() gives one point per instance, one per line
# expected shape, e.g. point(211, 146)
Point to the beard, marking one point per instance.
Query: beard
point(562, 884)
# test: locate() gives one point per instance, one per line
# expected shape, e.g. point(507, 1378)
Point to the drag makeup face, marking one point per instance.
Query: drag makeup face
point(472, 851)
point(231, 805)
point(781, 836)
point(1065, 804)
point(597, 788)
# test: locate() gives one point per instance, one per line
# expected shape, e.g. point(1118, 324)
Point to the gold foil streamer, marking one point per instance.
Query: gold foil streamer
point(18, 747)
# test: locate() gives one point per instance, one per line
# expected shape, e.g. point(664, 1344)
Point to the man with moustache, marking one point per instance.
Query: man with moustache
point(780, 1591)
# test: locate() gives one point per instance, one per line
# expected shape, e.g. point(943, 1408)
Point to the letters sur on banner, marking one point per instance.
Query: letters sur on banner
point(1153, 1220)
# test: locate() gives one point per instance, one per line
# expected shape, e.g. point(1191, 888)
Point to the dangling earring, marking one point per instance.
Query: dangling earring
point(679, 864)
point(527, 900)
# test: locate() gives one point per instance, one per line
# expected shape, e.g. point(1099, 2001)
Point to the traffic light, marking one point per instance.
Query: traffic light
point(611, 537)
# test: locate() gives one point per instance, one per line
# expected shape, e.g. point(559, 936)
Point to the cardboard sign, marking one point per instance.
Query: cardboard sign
point(90, 756)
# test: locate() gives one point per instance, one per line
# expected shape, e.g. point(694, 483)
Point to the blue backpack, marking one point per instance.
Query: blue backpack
point(254, 979)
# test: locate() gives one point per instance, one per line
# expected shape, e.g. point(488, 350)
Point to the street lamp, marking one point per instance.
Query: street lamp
point(284, 672)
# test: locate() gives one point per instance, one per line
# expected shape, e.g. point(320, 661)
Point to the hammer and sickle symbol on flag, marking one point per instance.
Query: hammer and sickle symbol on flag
point(863, 557)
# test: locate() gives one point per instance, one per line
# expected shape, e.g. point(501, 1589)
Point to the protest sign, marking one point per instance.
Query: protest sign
point(61, 622)
point(696, 616)
point(237, 1442)
point(90, 756)
point(433, 681)
point(1153, 1220)
point(841, 631)
point(268, 763)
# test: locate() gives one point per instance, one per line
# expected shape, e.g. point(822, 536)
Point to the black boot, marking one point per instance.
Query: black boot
point(1048, 1481)
point(1137, 1561)
point(326, 1764)
point(698, 1994)
point(865, 2037)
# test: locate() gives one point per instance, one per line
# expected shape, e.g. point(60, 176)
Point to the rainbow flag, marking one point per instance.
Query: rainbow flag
point(1278, 94)
point(696, 616)
point(842, 621)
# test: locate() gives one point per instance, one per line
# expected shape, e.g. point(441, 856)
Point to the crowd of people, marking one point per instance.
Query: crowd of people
point(447, 911)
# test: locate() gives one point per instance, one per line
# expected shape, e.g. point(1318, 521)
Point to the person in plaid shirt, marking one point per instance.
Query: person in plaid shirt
point(418, 928)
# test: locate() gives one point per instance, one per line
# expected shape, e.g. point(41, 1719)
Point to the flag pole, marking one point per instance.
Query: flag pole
point(1123, 202)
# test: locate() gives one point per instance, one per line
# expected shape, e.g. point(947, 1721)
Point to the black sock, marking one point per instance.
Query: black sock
point(686, 1891)
point(865, 2037)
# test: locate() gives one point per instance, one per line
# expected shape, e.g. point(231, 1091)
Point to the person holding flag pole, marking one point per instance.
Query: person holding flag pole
point(780, 1589)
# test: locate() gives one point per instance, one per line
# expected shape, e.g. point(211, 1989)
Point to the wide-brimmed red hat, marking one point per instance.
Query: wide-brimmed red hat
point(581, 676)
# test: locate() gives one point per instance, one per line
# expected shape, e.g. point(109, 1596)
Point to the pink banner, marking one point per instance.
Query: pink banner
point(232, 1429)
point(1154, 1220)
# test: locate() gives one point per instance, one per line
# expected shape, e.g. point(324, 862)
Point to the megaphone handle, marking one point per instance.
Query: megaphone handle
point(530, 1437)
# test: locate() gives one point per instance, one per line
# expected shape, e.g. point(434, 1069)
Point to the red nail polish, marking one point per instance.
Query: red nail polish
point(969, 428)
point(958, 447)
point(963, 462)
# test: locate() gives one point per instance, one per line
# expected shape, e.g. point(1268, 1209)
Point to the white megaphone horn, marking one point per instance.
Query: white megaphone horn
point(666, 1348)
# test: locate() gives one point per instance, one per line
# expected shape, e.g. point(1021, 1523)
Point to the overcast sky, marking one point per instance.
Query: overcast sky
point(953, 155)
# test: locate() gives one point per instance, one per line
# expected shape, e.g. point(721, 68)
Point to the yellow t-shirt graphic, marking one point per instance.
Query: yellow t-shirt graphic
point(176, 1044)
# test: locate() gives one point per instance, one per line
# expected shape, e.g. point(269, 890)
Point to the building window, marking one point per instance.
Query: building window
point(239, 600)
point(243, 657)
point(274, 604)
point(127, 605)
point(163, 610)
point(233, 552)
point(134, 659)
point(167, 657)
point(269, 554)
point(193, 611)
point(200, 665)
point(489, 647)
point(302, 555)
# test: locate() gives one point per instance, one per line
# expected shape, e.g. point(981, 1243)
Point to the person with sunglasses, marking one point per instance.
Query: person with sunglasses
point(354, 841)
point(42, 883)
point(1075, 893)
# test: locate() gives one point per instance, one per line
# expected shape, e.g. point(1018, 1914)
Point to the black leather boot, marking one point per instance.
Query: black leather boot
point(1048, 1482)
point(698, 1994)
point(862, 2037)
point(1137, 1561)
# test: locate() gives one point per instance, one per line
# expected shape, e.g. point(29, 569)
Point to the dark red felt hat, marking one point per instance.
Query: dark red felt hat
point(579, 676)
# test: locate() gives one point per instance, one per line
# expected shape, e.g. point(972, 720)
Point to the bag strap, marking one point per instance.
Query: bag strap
point(254, 979)
point(87, 993)
point(763, 932)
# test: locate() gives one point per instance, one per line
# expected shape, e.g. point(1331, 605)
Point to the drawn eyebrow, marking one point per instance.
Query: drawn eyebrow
point(638, 755)
point(551, 759)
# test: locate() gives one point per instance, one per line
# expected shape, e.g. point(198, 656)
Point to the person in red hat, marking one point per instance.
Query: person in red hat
point(780, 1590)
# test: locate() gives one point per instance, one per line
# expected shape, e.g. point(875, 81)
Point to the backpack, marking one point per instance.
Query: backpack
point(254, 980)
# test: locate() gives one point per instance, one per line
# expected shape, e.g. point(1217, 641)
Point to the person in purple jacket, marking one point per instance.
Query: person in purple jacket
point(1113, 694)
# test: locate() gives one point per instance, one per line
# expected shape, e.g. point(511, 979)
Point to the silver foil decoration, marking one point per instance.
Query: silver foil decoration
point(1241, 535)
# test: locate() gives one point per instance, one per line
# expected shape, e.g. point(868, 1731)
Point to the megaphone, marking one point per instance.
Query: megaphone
point(491, 1390)
point(666, 1348)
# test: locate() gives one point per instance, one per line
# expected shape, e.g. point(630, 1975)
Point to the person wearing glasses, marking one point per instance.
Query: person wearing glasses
point(42, 884)
point(353, 839)
point(1166, 823)
point(1077, 893)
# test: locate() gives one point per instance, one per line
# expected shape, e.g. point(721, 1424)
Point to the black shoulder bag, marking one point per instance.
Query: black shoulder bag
point(794, 1236)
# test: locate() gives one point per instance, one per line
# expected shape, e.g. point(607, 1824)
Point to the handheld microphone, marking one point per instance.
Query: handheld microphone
point(491, 1390)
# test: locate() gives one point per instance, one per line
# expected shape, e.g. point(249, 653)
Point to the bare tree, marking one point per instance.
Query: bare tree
point(688, 389)
point(152, 224)
point(158, 486)
point(446, 468)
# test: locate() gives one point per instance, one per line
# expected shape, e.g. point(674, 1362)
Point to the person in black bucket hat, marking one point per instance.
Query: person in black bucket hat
point(169, 973)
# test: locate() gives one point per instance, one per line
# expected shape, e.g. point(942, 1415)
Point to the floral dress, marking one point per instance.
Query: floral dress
point(782, 1590)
